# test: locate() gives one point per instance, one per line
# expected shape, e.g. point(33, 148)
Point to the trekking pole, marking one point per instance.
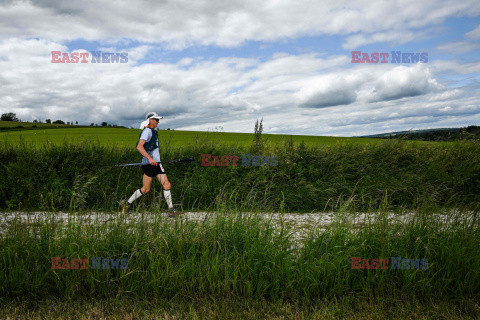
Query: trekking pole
point(170, 161)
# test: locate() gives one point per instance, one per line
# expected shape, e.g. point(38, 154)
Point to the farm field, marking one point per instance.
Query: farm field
point(122, 137)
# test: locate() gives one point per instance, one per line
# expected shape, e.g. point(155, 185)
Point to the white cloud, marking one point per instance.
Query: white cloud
point(338, 88)
point(367, 84)
point(392, 37)
point(182, 23)
point(402, 82)
point(474, 34)
point(459, 47)
point(454, 67)
point(447, 95)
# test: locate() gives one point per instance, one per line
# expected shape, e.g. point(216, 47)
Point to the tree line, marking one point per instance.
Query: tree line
point(10, 116)
point(452, 134)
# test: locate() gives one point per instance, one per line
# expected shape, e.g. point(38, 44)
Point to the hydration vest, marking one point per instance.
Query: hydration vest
point(151, 144)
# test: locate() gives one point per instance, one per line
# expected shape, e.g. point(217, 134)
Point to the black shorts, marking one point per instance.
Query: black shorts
point(153, 171)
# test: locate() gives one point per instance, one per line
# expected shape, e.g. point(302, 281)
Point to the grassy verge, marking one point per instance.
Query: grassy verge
point(401, 174)
point(242, 256)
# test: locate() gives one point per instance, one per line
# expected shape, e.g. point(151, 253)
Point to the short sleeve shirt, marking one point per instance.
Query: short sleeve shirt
point(155, 153)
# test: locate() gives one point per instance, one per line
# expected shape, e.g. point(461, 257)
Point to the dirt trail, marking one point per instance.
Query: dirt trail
point(301, 223)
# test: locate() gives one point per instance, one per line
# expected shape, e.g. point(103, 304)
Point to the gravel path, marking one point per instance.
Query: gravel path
point(301, 223)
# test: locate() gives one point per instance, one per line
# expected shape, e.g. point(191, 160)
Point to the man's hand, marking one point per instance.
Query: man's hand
point(152, 162)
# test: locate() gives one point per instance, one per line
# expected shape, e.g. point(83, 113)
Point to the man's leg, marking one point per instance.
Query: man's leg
point(147, 183)
point(166, 193)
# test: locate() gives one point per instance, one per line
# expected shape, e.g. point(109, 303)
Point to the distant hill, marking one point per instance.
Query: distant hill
point(438, 134)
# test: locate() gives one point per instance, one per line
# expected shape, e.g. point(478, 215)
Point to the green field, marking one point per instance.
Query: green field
point(122, 137)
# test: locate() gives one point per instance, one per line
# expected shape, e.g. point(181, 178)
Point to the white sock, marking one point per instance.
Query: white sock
point(137, 194)
point(168, 197)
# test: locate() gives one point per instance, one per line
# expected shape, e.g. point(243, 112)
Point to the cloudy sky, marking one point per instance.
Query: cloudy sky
point(206, 65)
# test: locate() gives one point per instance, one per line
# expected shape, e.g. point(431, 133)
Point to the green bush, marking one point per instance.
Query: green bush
point(403, 174)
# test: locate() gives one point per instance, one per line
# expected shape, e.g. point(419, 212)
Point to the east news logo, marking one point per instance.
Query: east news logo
point(96, 57)
point(396, 57)
point(397, 263)
point(247, 160)
point(97, 263)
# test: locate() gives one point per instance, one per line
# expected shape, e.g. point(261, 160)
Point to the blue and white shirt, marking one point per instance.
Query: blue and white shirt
point(155, 153)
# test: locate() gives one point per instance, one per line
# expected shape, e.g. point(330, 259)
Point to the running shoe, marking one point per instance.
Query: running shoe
point(172, 212)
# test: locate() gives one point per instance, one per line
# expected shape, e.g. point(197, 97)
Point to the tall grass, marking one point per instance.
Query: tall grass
point(83, 176)
point(241, 256)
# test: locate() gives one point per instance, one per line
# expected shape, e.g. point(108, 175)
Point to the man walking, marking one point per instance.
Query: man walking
point(147, 145)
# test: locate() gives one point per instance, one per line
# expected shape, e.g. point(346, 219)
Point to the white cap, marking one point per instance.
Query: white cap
point(150, 115)
point(153, 115)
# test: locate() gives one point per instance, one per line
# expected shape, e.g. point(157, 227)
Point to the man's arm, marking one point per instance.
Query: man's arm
point(144, 153)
